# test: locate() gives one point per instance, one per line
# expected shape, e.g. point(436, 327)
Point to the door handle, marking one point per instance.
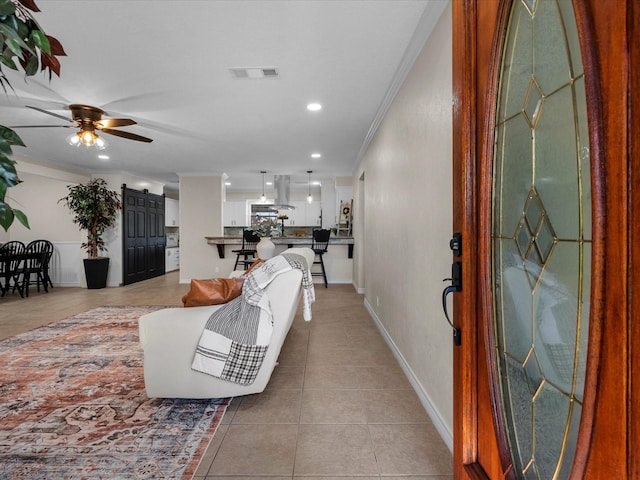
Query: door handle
point(456, 285)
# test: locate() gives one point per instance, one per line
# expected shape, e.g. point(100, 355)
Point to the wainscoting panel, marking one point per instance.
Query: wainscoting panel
point(66, 268)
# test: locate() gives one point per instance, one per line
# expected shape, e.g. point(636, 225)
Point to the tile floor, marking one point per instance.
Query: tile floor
point(338, 405)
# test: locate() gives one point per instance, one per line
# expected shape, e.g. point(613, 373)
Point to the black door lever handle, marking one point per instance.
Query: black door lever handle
point(454, 287)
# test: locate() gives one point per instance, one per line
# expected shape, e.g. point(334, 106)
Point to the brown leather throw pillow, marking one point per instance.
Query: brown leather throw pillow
point(212, 291)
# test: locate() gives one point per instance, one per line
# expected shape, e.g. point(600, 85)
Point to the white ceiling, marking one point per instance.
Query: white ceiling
point(166, 64)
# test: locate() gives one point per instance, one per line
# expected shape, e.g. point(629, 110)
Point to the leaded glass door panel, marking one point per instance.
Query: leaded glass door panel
point(541, 237)
point(546, 200)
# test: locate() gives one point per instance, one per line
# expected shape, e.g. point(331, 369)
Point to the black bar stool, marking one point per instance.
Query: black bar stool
point(250, 241)
point(320, 245)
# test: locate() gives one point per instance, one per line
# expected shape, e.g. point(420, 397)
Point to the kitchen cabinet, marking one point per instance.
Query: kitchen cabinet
point(312, 215)
point(234, 214)
point(172, 259)
point(297, 216)
point(305, 215)
point(171, 212)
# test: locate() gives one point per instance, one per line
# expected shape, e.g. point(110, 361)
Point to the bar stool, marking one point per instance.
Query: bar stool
point(250, 241)
point(320, 245)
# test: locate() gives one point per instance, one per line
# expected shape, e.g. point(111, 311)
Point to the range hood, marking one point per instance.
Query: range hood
point(282, 185)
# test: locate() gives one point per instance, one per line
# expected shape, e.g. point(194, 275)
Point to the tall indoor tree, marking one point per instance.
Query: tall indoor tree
point(23, 46)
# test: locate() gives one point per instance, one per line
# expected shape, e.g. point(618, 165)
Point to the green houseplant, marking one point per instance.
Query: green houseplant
point(23, 39)
point(95, 208)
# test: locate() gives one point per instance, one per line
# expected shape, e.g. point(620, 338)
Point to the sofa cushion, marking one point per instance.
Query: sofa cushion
point(212, 291)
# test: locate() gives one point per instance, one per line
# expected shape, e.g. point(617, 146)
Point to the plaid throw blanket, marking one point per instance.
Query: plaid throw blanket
point(237, 335)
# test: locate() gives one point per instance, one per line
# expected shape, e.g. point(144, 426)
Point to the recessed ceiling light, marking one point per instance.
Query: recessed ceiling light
point(316, 182)
point(316, 155)
point(314, 107)
point(227, 183)
point(103, 157)
point(269, 183)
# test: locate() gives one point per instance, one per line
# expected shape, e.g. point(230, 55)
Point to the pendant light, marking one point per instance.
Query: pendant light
point(263, 199)
point(309, 197)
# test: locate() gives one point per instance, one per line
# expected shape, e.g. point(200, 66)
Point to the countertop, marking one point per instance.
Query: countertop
point(221, 241)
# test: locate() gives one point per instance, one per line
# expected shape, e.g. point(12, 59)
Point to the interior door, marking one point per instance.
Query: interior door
point(143, 235)
point(543, 244)
point(135, 230)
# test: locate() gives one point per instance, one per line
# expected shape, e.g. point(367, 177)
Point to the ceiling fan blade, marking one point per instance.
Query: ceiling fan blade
point(130, 136)
point(42, 126)
point(116, 122)
point(49, 113)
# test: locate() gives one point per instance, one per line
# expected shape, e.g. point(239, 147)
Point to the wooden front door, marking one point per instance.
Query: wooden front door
point(546, 200)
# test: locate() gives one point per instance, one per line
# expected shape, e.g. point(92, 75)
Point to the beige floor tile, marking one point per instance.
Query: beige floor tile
point(243, 477)
point(393, 406)
point(332, 406)
point(256, 450)
point(331, 356)
point(212, 450)
point(381, 377)
point(297, 337)
point(410, 450)
point(230, 411)
point(276, 406)
point(418, 477)
point(331, 377)
point(295, 477)
point(285, 377)
point(334, 450)
point(293, 355)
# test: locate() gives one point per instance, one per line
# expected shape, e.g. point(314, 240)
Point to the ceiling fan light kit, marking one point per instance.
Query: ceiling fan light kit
point(89, 119)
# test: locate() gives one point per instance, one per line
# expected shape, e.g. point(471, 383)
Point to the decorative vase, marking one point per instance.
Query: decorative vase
point(265, 248)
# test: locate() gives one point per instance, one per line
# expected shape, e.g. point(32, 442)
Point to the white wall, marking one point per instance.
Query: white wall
point(200, 216)
point(37, 196)
point(403, 230)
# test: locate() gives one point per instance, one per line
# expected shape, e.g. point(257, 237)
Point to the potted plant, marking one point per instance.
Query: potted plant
point(95, 209)
point(23, 45)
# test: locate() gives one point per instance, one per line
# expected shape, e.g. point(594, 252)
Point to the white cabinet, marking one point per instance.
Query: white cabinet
point(171, 212)
point(297, 215)
point(234, 214)
point(312, 216)
point(305, 215)
point(172, 259)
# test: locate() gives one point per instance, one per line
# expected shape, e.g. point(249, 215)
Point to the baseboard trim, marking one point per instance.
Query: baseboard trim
point(432, 411)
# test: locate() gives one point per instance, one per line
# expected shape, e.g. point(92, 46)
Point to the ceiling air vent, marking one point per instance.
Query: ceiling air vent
point(255, 72)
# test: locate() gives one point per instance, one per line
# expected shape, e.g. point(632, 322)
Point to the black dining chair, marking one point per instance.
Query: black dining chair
point(11, 259)
point(250, 241)
point(319, 247)
point(38, 254)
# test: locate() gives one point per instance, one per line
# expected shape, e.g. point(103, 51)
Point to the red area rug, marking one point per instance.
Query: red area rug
point(73, 405)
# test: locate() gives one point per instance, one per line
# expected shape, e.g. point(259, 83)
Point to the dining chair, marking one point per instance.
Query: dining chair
point(36, 265)
point(11, 259)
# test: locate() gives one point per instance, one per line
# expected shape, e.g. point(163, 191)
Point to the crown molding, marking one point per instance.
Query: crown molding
point(428, 20)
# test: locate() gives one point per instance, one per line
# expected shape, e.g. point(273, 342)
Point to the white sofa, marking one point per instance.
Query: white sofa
point(169, 338)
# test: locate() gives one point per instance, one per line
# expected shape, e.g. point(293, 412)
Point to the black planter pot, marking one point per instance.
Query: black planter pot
point(95, 271)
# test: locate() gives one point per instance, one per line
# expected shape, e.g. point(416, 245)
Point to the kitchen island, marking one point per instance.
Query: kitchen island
point(289, 242)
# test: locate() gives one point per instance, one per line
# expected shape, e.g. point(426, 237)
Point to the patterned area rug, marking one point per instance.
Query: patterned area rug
point(73, 405)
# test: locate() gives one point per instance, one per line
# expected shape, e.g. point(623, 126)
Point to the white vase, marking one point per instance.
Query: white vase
point(265, 248)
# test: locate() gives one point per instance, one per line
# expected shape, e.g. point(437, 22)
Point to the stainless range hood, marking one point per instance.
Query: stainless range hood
point(282, 185)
